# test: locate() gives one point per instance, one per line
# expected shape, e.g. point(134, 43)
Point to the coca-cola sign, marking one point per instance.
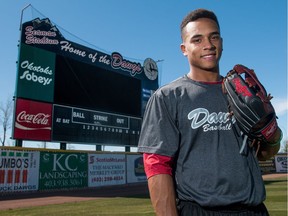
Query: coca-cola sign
point(33, 120)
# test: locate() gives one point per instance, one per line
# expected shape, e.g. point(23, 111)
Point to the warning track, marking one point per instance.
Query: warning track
point(28, 199)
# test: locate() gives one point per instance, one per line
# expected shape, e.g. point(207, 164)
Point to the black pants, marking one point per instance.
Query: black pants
point(186, 208)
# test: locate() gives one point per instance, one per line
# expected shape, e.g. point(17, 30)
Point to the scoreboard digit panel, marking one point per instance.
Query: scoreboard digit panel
point(84, 85)
point(71, 124)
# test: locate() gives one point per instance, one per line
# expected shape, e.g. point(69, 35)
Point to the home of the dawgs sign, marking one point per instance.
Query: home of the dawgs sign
point(42, 34)
point(78, 84)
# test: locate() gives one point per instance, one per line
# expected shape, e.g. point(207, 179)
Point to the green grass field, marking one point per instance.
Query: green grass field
point(276, 203)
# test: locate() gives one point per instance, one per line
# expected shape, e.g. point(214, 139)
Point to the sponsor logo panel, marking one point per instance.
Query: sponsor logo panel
point(19, 171)
point(281, 163)
point(62, 170)
point(108, 169)
point(135, 169)
point(33, 120)
point(36, 71)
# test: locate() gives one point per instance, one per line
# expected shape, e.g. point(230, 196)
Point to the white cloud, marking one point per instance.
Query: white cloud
point(280, 106)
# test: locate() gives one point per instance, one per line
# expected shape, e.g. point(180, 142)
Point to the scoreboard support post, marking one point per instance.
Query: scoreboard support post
point(63, 146)
point(18, 143)
point(127, 149)
point(98, 147)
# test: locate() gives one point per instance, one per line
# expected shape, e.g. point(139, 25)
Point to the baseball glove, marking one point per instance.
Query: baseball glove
point(249, 103)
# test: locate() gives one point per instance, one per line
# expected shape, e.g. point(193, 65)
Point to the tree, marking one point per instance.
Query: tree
point(6, 117)
point(285, 147)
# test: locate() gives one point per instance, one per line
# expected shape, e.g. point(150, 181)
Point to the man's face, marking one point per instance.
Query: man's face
point(202, 44)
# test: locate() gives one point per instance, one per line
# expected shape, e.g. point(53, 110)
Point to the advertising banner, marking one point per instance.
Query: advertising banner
point(106, 169)
point(18, 171)
point(33, 120)
point(62, 170)
point(135, 169)
point(281, 163)
point(35, 78)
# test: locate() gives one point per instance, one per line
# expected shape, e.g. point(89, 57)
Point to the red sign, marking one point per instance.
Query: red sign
point(33, 120)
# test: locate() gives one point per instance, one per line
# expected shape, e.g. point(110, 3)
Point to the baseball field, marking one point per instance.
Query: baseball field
point(120, 200)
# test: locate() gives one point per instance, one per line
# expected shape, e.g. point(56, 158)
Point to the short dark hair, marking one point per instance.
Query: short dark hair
point(197, 14)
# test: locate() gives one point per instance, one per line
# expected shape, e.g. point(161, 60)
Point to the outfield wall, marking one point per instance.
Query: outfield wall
point(39, 170)
point(277, 164)
point(24, 169)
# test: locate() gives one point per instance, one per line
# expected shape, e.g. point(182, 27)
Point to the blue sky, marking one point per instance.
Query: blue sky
point(254, 34)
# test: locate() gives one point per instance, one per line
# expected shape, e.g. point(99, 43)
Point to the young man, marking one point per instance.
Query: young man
point(191, 146)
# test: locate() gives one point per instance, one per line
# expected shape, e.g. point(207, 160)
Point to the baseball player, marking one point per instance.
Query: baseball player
point(192, 145)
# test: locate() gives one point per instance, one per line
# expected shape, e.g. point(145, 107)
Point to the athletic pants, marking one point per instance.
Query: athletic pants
point(186, 208)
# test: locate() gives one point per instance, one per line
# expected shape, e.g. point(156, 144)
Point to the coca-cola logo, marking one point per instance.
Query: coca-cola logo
point(39, 120)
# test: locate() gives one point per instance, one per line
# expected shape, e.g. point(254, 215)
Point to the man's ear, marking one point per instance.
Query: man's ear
point(183, 49)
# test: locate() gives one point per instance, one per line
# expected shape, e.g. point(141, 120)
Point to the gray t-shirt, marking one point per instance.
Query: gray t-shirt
point(190, 121)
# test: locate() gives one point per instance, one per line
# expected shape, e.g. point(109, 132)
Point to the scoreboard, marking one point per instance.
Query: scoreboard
point(67, 92)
